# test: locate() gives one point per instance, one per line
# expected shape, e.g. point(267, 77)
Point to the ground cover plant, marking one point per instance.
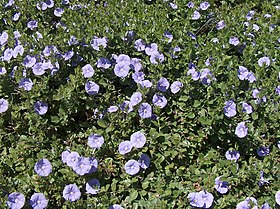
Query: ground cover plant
point(139, 104)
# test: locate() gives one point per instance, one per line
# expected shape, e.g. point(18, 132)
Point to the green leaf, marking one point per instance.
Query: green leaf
point(102, 123)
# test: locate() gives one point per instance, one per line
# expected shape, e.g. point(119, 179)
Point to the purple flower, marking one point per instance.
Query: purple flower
point(26, 84)
point(94, 164)
point(221, 186)
point(125, 147)
point(156, 56)
point(103, 63)
point(136, 98)
point(204, 5)
point(93, 186)
point(190, 4)
point(96, 42)
point(263, 151)
point(251, 77)
point(173, 5)
point(207, 198)
point(95, 141)
point(138, 77)
point(32, 24)
point(168, 35)
point(8, 54)
point(195, 75)
point(3, 70)
point(230, 108)
point(262, 180)
point(39, 68)
point(38, 201)
point(18, 50)
point(255, 92)
point(144, 161)
point(277, 197)
point(196, 15)
point(256, 27)
point(220, 25)
point(132, 167)
point(121, 69)
point(58, 12)
point(242, 72)
point(88, 71)
point(151, 49)
point(122, 58)
point(139, 45)
point(41, 108)
point(247, 108)
point(49, 50)
point(64, 155)
point(159, 100)
point(264, 60)
point(116, 206)
point(4, 38)
point(126, 107)
point(138, 139)
point(232, 155)
point(145, 110)
point(195, 199)
point(15, 200)
point(43, 167)
point(135, 64)
point(233, 41)
point(112, 109)
point(241, 130)
point(82, 166)
point(29, 61)
point(163, 84)
point(205, 76)
point(248, 203)
point(91, 88)
point(265, 206)
point(250, 14)
point(72, 158)
point(3, 105)
point(176, 86)
point(71, 192)
point(146, 84)
point(68, 55)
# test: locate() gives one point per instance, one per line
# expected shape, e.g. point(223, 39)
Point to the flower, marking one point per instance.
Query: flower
point(88, 71)
point(26, 84)
point(41, 108)
point(29, 61)
point(138, 139)
point(39, 68)
point(82, 166)
point(146, 84)
point(138, 77)
point(94, 164)
point(18, 50)
point(135, 64)
point(96, 42)
point(132, 167)
point(95, 141)
point(264, 60)
point(71, 192)
point(103, 63)
point(250, 14)
point(204, 5)
point(277, 197)
point(15, 200)
point(277, 90)
point(91, 88)
point(196, 15)
point(207, 198)
point(3, 105)
point(64, 155)
point(139, 45)
point(72, 158)
point(38, 201)
point(58, 12)
point(233, 41)
point(173, 5)
point(265, 206)
point(145, 110)
point(251, 77)
point(125, 147)
point(156, 56)
point(3, 70)
point(221, 186)
point(176, 86)
point(93, 186)
point(190, 4)
point(126, 106)
point(116, 206)
point(112, 109)
point(136, 98)
point(8, 54)
point(168, 35)
point(144, 161)
point(232, 155)
point(241, 130)
point(159, 100)
point(262, 180)
point(43, 167)
point(121, 69)
point(4, 38)
point(230, 108)
point(263, 151)
point(247, 108)
point(255, 92)
point(205, 76)
point(242, 72)
point(248, 203)
point(151, 49)
point(195, 199)
point(32, 24)
point(122, 59)
point(220, 25)
point(163, 84)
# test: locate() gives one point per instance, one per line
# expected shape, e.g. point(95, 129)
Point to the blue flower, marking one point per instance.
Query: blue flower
point(145, 110)
point(247, 108)
point(71, 158)
point(26, 84)
point(103, 63)
point(132, 167)
point(176, 86)
point(38, 201)
point(136, 98)
point(234, 41)
point(91, 88)
point(264, 60)
point(95, 141)
point(43, 167)
point(230, 108)
point(232, 155)
point(121, 69)
point(116, 206)
point(138, 139)
point(144, 161)
point(163, 84)
point(88, 71)
point(159, 100)
point(241, 130)
point(93, 186)
point(221, 186)
point(263, 151)
point(41, 108)
point(15, 200)
point(71, 192)
point(82, 166)
point(3, 105)
point(125, 147)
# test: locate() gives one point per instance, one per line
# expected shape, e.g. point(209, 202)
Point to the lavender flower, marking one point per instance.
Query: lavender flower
point(43, 167)
point(103, 63)
point(220, 25)
point(41, 108)
point(139, 45)
point(151, 49)
point(173, 5)
point(125, 147)
point(38, 201)
point(264, 60)
point(145, 110)
point(138, 139)
point(93, 186)
point(116, 206)
point(72, 158)
point(94, 164)
point(146, 84)
point(88, 71)
point(204, 5)
point(68, 55)
point(58, 12)
point(136, 98)
point(205, 76)
point(195, 199)
point(29, 61)
point(241, 130)
point(265, 206)
point(26, 84)
point(39, 68)
point(207, 198)
point(263, 151)
point(176, 86)
point(122, 59)
point(262, 180)
point(3, 70)
point(71, 192)
point(15, 200)
point(126, 107)
point(250, 14)
point(32, 24)
point(18, 50)
point(247, 108)
point(82, 166)
point(232, 155)
point(155, 57)
point(64, 155)
point(277, 197)
point(112, 109)
point(95, 141)
point(168, 35)
point(121, 69)
point(4, 38)
point(221, 186)
point(132, 167)
point(8, 54)
point(251, 77)
point(163, 84)
point(96, 42)
point(144, 161)
point(196, 15)
point(3, 105)
point(159, 100)
point(230, 108)
point(242, 72)
point(248, 203)
point(135, 64)
point(234, 41)
point(190, 4)
point(91, 88)
point(138, 77)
